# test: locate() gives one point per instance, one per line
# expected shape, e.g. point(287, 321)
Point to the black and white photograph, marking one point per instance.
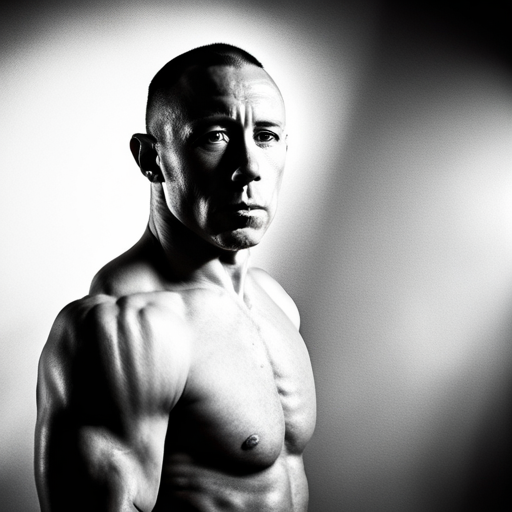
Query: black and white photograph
point(256, 256)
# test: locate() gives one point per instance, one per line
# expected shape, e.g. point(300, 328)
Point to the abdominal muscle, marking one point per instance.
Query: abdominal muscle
point(187, 486)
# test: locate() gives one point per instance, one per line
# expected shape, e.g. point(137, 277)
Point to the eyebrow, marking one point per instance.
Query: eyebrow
point(222, 117)
point(268, 124)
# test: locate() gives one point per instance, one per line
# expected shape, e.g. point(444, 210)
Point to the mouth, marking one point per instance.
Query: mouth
point(243, 208)
point(242, 215)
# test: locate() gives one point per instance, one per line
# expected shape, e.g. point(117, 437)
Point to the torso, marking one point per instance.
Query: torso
point(249, 374)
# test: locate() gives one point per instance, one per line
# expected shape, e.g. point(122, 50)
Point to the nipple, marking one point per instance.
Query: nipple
point(251, 442)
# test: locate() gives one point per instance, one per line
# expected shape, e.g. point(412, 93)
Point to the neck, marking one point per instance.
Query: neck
point(189, 259)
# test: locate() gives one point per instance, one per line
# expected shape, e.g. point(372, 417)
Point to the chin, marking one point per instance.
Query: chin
point(239, 239)
point(237, 232)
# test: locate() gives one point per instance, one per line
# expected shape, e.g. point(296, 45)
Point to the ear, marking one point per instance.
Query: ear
point(143, 150)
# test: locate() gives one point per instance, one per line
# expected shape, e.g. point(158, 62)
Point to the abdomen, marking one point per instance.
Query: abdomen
point(189, 486)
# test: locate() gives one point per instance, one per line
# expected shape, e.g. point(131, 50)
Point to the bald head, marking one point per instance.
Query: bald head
point(162, 92)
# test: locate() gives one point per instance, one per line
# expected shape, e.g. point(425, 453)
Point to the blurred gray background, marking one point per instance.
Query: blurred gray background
point(394, 234)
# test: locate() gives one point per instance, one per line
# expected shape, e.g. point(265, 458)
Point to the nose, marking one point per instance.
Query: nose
point(248, 169)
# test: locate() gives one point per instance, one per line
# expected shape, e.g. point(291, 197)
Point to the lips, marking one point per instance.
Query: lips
point(242, 215)
point(243, 207)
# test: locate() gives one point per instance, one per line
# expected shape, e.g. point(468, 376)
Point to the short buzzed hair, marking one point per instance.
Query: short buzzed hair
point(217, 54)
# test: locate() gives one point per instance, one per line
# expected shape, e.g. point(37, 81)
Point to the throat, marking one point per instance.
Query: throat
point(190, 259)
point(235, 269)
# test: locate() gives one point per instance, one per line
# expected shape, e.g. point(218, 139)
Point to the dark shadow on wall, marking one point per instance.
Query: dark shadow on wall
point(484, 468)
point(489, 478)
point(484, 25)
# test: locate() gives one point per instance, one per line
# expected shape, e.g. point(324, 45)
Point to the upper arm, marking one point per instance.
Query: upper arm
point(278, 295)
point(105, 388)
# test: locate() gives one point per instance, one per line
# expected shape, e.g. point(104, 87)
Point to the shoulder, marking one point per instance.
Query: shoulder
point(130, 343)
point(277, 294)
point(70, 326)
point(57, 363)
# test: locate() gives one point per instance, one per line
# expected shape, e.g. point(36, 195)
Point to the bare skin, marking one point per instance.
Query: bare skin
point(181, 382)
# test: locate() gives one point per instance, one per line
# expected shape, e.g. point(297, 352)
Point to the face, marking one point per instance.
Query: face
point(224, 153)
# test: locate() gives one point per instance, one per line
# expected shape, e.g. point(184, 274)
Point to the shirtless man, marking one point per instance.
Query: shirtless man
point(181, 383)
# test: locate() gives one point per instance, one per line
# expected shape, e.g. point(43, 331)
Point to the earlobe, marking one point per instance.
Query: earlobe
point(143, 150)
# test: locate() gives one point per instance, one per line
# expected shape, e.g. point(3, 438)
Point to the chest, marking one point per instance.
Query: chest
point(250, 391)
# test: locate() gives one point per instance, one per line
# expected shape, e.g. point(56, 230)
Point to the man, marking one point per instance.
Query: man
point(181, 382)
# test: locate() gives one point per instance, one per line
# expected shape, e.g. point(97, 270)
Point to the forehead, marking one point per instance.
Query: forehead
point(204, 91)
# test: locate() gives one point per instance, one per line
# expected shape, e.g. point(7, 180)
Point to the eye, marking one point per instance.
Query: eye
point(216, 137)
point(265, 137)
